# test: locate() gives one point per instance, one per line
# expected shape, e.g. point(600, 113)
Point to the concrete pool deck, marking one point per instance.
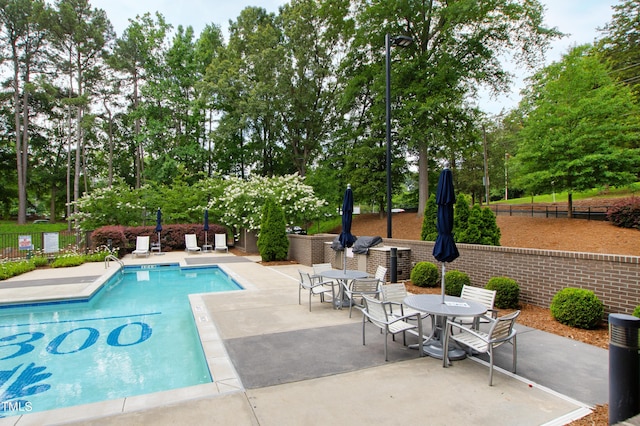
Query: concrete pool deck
point(276, 363)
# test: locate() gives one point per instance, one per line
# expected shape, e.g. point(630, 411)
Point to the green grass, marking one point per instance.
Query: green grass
point(562, 197)
point(324, 226)
point(10, 227)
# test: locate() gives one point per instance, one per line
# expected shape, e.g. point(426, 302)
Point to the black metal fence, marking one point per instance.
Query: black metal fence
point(589, 213)
point(27, 244)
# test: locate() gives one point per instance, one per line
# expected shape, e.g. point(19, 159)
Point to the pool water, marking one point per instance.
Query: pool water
point(136, 336)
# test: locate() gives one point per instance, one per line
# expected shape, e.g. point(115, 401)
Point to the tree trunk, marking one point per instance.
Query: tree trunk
point(22, 189)
point(423, 178)
point(570, 205)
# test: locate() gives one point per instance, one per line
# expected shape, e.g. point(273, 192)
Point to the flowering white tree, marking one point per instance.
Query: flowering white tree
point(234, 203)
point(241, 203)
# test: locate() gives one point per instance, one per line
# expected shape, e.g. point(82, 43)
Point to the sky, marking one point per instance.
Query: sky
point(577, 18)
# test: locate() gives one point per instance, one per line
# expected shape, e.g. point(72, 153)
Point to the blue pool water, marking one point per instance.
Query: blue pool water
point(135, 336)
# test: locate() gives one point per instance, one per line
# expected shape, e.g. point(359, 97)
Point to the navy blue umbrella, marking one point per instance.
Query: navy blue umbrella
point(346, 238)
point(206, 225)
point(445, 249)
point(158, 224)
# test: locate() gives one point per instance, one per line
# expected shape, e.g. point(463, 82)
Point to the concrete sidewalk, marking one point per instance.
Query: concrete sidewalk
point(296, 366)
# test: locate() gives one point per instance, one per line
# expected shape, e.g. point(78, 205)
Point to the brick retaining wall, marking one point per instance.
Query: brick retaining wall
point(540, 274)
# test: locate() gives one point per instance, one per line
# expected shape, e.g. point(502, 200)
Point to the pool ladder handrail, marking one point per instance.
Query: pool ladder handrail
point(112, 257)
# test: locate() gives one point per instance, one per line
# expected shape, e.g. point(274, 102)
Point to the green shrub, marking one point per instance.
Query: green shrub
point(40, 261)
point(507, 292)
point(273, 243)
point(577, 307)
point(636, 311)
point(11, 269)
point(429, 231)
point(67, 261)
point(625, 213)
point(454, 281)
point(424, 274)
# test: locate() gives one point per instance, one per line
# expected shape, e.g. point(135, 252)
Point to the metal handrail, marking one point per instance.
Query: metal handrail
point(112, 257)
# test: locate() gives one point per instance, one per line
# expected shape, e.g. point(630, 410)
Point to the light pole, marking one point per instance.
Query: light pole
point(400, 41)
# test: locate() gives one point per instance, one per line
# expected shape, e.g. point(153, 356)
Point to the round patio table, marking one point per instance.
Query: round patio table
point(343, 276)
point(452, 307)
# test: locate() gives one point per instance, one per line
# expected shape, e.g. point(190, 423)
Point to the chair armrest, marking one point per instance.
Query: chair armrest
point(450, 324)
point(493, 313)
point(391, 305)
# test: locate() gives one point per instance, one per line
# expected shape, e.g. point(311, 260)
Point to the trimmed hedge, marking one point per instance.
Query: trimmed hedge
point(507, 292)
point(577, 307)
point(171, 237)
point(424, 274)
point(454, 281)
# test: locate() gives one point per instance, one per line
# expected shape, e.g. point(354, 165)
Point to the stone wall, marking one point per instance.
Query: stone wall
point(540, 274)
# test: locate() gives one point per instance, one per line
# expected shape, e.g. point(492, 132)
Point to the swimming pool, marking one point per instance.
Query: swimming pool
point(135, 336)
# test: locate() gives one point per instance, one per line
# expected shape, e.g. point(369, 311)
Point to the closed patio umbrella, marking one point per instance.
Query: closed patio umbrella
point(346, 238)
point(206, 225)
point(158, 224)
point(445, 249)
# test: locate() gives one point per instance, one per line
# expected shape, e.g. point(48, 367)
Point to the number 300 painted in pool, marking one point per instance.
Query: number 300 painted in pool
point(113, 339)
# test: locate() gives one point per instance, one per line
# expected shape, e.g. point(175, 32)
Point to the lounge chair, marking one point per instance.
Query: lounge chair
point(191, 243)
point(142, 247)
point(221, 242)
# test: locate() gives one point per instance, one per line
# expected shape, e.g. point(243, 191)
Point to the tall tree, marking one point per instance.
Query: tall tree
point(23, 26)
point(81, 34)
point(315, 35)
point(135, 55)
point(621, 43)
point(458, 47)
point(580, 130)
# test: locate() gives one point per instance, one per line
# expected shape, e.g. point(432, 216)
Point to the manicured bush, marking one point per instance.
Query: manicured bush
point(424, 274)
point(454, 281)
point(577, 307)
point(507, 292)
point(625, 213)
point(273, 243)
point(636, 311)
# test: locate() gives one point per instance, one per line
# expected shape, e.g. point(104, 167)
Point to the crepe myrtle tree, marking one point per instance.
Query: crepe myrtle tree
point(240, 206)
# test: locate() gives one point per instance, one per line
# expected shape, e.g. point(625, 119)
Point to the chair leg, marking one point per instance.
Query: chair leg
point(490, 365)
point(363, 325)
point(514, 354)
point(299, 297)
point(386, 357)
point(310, 294)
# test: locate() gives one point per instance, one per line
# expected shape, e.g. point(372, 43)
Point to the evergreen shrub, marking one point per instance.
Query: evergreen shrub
point(454, 281)
point(577, 307)
point(424, 274)
point(507, 292)
point(273, 243)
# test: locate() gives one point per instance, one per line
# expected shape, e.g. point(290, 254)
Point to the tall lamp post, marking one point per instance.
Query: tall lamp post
point(400, 41)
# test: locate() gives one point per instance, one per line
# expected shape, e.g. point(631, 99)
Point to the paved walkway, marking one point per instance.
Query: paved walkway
point(276, 363)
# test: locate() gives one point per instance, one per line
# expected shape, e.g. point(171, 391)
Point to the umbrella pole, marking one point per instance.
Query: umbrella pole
point(442, 283)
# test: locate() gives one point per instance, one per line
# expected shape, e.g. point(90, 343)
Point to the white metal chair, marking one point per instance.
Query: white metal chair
point(358, 288)
point(314, 286)
point(375, 312)
point(500, 331)
point(191, 243)
point(381, 273)
point(393, 294)
point(142, 246)
point(221, 242)
point(480, 295)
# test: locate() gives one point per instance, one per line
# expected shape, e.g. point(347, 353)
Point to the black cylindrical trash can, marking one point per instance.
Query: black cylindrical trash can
point(393, 263)
point(624, 367)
